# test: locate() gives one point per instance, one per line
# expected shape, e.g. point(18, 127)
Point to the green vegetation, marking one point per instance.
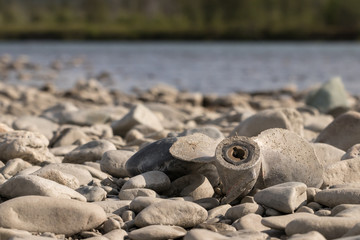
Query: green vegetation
point(180, 19)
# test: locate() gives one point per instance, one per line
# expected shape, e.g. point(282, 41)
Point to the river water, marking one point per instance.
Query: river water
point(208, 67)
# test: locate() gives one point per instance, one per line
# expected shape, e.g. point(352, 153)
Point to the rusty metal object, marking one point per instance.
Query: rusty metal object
point(238, 162)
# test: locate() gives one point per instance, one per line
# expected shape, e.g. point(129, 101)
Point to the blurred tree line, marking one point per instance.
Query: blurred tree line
point(180, 19)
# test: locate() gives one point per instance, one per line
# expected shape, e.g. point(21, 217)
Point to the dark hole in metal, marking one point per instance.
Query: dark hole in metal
point(237, 153)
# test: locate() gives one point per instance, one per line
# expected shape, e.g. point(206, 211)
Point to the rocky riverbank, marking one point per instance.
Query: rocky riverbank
point(94, 163)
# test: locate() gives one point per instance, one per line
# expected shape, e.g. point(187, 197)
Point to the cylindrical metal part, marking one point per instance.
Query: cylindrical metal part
point(238, 161)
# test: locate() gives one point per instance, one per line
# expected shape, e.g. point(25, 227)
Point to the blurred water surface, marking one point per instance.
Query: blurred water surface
point(208, 67)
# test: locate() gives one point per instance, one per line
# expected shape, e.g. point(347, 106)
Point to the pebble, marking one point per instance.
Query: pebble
point(130, 194)
point(333, 91)
point(157, 232)
point(286, 118)
point(170, 212)
point(33, 185)
point(207, 203)
point(69, 136)
point(156, 156)
point(75, 170)
point(337, 196)
point(6, 233)
point(155, 180)
point(352, 152)
point(47, 214)
point(65, 179)
point(313, 235)
point(285, 197)
point(329, 227)
point(219, 211)
point(141, 202)
point(280, 222)
point(196, 186)
point(29, 146)
point(197, 147)
point(91, 151)
point(36, 124)
point(113, 162)
point(14, 166)
point(327, 154)
point(242, 210)
point(114, 206)
point(92, 193)
point(139, 114)
point(343, 132)
point(250, 221)
point(342, 172)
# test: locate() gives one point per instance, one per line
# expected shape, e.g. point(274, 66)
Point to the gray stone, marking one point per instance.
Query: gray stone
point(305, 209)
point(313, 235)
point(86, 117)
point(329, 227)
point(327, 154)
point(219, 211)
point(139, 203)
point(46, 214)
point(250, 221)
point(170, 212)
point(329, 96)
point(29, 146)
point(110, 225)
point(242, 210)
point(14, 166)
point(69, 136)
point(343, 132)
point(57, 112)
point(286, 118)
point(355, 231)
point(337, 196)
point(209, 131)
point(200, 234)
point(63, 150)
point(343, 172)
point(36, 124)
point(323, 213)
point(280, 222)
point(285, 197)
point(65, 179)
point(352, 152)
point(130, 194)
point(91, 151)
point(33, 185)
point(92, 193)
point(6, 233)
point(118, 234)
point(218, 227)
point(128, 215)
point(195, 185)
point(157, 232)
point(76, 170)
point(139, 114)
point(287, 158)
point(194, 148)
point(208, 203)
point(317, 122)
point(114, 206)
point(156, 156)
point(114, 162)
point(155, 180)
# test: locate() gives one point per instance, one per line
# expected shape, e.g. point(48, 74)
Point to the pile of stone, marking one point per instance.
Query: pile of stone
point(91, 163)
